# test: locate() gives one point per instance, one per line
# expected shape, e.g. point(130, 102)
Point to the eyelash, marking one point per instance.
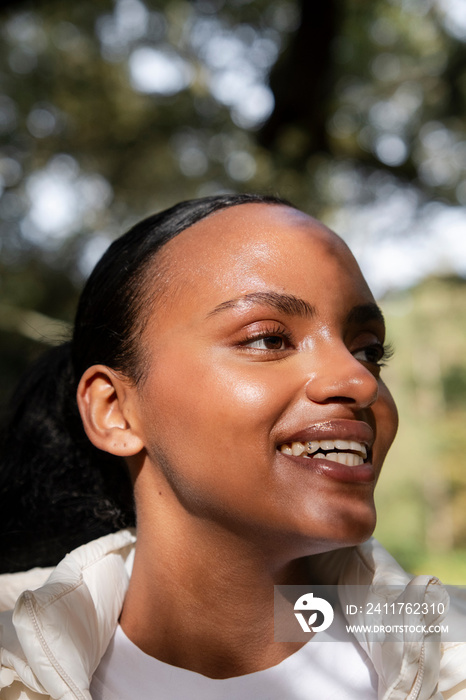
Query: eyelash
point(386, 350)
point(272, 331)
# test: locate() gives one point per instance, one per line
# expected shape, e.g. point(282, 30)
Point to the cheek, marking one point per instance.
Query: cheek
point(251, 394)
point(208, 430)
point(210, 404)
point(242, 400)
point(386, 420)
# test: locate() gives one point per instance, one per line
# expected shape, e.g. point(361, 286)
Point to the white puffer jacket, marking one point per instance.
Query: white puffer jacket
point(54, 639)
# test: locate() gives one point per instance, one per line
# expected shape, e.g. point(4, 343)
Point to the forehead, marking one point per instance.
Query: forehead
point(254, 247)
point(254, 229)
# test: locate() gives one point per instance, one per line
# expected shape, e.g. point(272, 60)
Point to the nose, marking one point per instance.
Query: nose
point(338, 377)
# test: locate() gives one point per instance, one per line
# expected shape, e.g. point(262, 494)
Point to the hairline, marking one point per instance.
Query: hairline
point(149, 300)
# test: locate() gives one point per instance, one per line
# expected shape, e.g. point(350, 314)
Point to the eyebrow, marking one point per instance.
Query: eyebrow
point(295, 306)
point(365, 312)
point(286, 303)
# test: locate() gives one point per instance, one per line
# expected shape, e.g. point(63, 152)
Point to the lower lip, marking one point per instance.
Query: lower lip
point(360, 474)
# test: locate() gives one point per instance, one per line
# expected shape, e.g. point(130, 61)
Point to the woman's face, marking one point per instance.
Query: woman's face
point(264, 348)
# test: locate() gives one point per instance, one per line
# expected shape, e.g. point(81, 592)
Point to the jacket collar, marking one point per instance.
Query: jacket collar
point(65, 627)
point(88, 587)
point(406, 669)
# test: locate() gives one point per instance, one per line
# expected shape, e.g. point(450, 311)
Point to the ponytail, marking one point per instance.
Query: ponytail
point(57, 490)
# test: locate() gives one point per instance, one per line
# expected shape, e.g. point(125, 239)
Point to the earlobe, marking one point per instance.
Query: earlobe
point(104, 402)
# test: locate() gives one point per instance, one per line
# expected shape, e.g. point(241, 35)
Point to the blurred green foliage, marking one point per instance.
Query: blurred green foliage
point(354, 110)
point(422, 494)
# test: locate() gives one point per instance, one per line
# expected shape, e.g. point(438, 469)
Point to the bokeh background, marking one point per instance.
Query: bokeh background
point(352, 109)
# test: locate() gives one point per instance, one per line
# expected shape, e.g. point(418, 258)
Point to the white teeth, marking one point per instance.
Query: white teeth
point(343, 444)
point(297, 448)
point(348, 452)
point(340, 445)
point(347, 458)
point(327, 444)
point(358, 447)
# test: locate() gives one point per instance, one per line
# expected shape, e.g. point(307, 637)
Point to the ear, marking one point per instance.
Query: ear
point(105, 402)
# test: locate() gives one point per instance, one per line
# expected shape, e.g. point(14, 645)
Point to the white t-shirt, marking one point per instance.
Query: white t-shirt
point(320, 670)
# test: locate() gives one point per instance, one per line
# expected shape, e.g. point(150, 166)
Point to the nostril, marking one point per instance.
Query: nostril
point(345, 386)
point(338, 399)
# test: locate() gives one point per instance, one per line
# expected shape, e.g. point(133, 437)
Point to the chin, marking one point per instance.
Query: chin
point(354, 530)
point(344, 530)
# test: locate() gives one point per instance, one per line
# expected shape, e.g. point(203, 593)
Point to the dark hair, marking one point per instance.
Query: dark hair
point(57, 490)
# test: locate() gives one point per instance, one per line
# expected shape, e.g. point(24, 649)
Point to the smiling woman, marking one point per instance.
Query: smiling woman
point(230, 351)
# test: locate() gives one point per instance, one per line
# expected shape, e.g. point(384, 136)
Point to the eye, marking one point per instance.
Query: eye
point(269, 342)
point(373, 354)
point(267, 338)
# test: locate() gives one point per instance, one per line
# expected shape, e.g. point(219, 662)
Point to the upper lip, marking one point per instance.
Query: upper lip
point(359, 431)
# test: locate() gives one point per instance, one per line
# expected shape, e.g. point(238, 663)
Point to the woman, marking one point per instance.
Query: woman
point(229, 350)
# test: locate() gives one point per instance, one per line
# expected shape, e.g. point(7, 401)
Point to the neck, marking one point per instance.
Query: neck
point(201, 595)
point(211, 613)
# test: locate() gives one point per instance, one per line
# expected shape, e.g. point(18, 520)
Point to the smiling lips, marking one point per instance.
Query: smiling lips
point(348, 452)
point(342, 448)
